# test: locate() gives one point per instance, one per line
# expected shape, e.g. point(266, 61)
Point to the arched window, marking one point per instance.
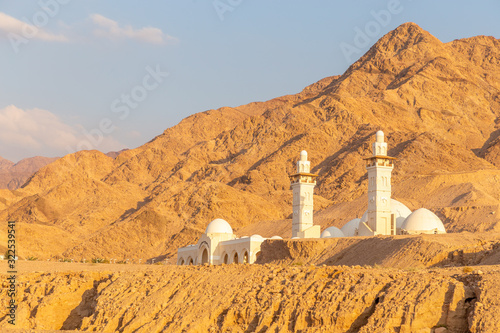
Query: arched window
point(235, 258)
point(226, 259)
point(181, 262)
point(245, 257)
point(190, 262)
point(204, 257)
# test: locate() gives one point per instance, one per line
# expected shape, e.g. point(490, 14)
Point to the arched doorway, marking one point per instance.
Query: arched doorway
point(204, 257)
point(181, 262)
point(226, 259)
point(235, 258)
point(190, 262)
point(245, 257)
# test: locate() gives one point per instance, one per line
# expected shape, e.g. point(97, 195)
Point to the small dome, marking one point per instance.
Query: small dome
point(276, 237)
point(423, 220)
point(350, 227)
point(379, 136)
point(257, 237)
point(332, 232)
point(400, 211)
point(219, 226)
point(303, 155)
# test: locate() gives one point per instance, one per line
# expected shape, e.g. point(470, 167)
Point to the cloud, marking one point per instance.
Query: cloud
point(111, 29)
point(35, 132)
point(134, 134)
point(11, 27)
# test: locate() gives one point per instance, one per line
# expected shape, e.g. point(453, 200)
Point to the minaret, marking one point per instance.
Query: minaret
point(303, 183)
point(380, 219)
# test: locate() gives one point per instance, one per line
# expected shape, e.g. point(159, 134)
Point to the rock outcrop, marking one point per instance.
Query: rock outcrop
point(261, 298)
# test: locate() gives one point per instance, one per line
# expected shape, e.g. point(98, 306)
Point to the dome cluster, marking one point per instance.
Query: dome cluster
point(421, 221)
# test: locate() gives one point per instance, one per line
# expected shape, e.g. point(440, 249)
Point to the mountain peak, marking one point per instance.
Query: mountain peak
point(5, 164)
point(394, 51)
point(404, 37)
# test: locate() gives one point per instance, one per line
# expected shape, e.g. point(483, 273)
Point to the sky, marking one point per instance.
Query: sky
point(108, 75)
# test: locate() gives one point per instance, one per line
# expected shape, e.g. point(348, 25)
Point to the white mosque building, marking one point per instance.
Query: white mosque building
point(385, 216)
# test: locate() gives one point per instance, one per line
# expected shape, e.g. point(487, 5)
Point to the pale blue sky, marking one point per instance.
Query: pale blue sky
point(57, 85)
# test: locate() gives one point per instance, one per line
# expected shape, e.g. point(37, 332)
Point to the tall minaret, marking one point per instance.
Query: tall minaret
point(380, 219)
point(303, 183)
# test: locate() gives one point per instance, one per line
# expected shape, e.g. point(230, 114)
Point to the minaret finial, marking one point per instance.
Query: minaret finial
point(303, 165)
point(379, 146)
point(380, 136)
point(303, 155)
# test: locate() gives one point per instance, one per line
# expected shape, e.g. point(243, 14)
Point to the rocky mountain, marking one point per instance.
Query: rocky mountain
point(13, 175)
point(438, 103)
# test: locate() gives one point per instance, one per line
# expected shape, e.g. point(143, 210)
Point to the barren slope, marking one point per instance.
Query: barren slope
point(256, 298)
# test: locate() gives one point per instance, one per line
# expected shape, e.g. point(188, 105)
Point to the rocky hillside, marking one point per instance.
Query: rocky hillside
point(438, 103)
point(259, 298)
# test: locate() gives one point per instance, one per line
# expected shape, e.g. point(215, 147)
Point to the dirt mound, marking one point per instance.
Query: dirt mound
point(405, 252)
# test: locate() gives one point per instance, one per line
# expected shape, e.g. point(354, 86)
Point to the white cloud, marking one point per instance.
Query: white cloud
point(111, 29)
point(134, 134)
point(11, 27)
point(27, 133)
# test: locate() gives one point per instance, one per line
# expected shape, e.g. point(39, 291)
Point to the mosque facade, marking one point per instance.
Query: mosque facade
point(384, 216)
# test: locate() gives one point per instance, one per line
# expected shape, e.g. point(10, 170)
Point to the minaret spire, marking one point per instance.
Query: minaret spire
point(380, 220)
point(303, 183)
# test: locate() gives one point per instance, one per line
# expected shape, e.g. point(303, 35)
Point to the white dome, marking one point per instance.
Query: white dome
point(219, 226)
point(400, 211)
point(379, 136)
point(276, 237)
point(332, 232)
point(257, 237)
point(423, 220)
point(350, 227)
point(303, 155)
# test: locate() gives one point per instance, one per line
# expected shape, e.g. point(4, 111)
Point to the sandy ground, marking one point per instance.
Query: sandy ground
point(54, 267)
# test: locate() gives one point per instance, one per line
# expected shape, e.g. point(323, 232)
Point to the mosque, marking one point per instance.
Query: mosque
point(385, 216)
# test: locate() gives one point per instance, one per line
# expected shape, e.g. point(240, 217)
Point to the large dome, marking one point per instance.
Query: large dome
point(332, 232)
point(219, 226)
point(350, 227)
point(423, 220)
point(400, 211)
